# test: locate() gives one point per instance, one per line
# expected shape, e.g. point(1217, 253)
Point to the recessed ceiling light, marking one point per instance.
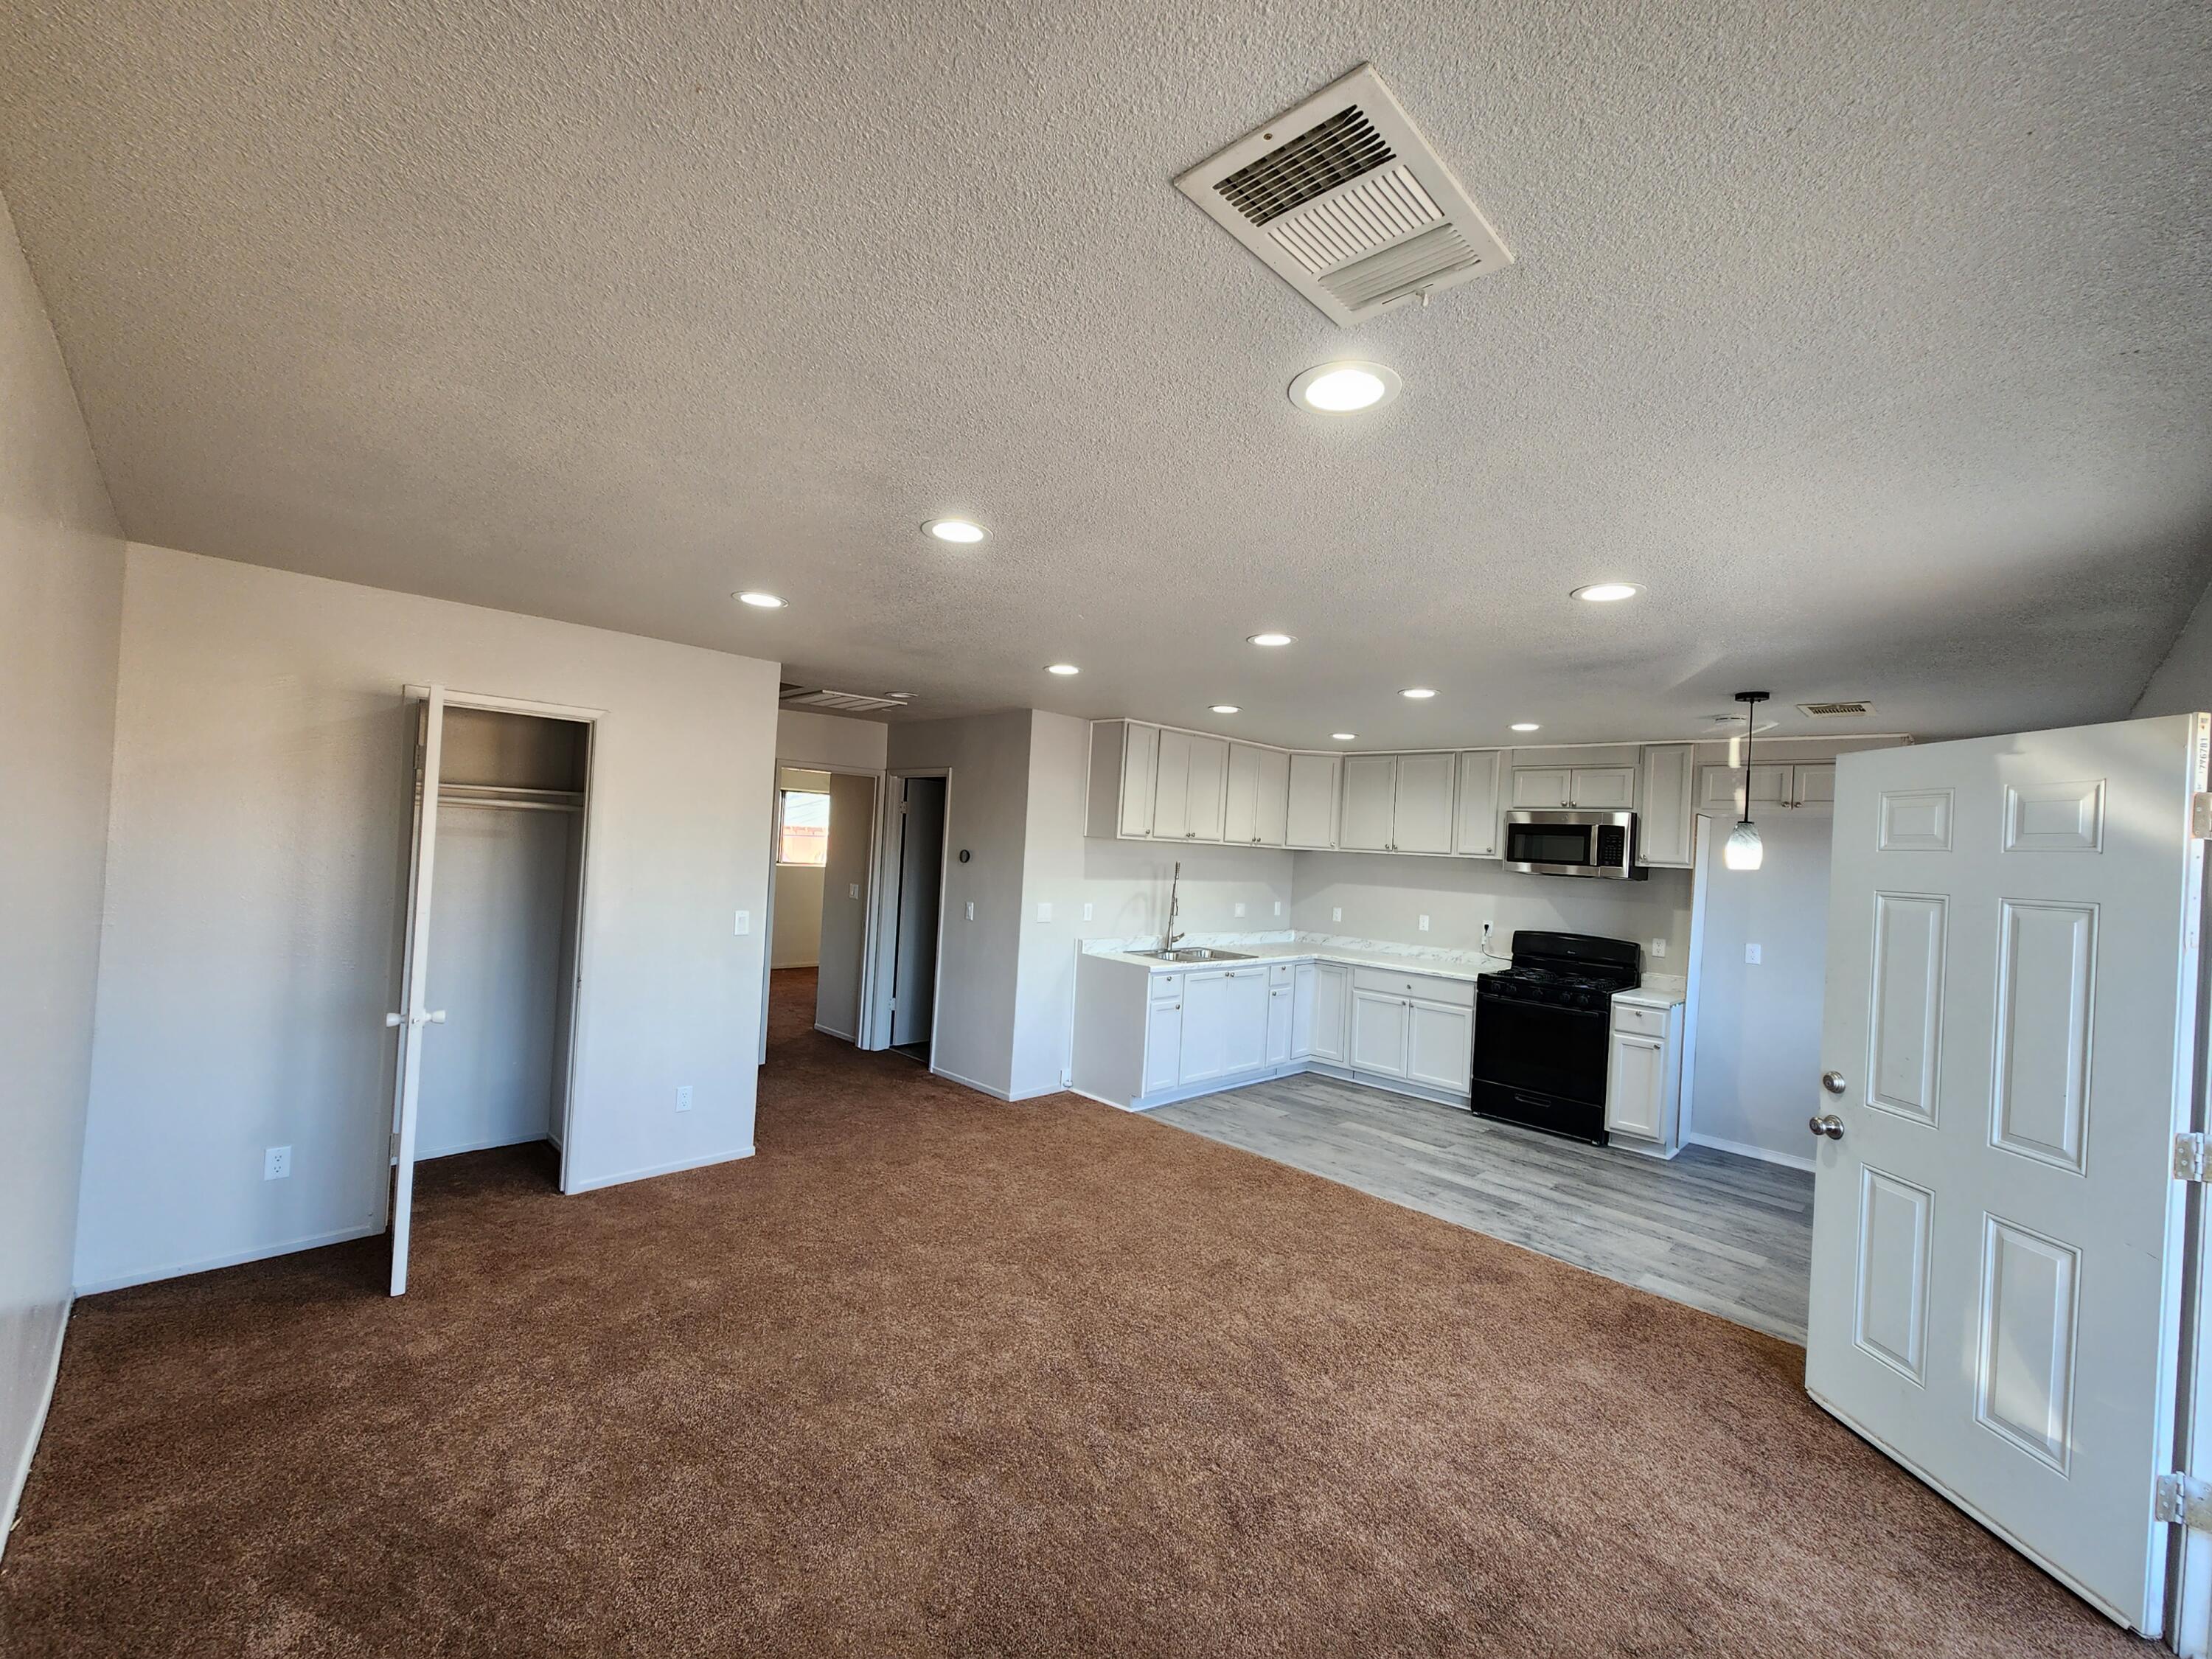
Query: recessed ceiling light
point(1063, 668)
point(765, 601)
point(1226, 708)
point(1345, 736)
point(1607, 592)
point(955, 530)
point(1524, 725)
point(1271, 639)
point(1345, 388)
point(1418, 693)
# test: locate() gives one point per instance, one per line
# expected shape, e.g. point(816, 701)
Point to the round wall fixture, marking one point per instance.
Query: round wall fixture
point(1345, 388)
point(962, 530)
point(1606, 593)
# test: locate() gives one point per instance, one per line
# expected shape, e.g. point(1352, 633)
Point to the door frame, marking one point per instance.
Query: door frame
point(880, 967)
point(875, 885)
point(580, 980)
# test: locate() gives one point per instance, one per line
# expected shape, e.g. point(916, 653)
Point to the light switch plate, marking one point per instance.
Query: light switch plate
point(1086, 913)
point(1424, 924)
point(1044, 911)
point(853, 890)
point(971, 909)
point(1240, 910)
point(1751, 953)
point(1279, 906)
point(744, 922)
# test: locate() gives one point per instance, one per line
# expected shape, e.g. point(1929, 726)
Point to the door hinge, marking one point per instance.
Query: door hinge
point(2192, 1157)
point(2182, 1500)
point(2200, 815)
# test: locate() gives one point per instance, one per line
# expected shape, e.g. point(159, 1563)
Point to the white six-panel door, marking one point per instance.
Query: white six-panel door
point(2007, 1045)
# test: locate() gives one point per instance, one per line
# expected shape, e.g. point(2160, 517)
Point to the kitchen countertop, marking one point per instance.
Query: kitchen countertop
point(1459, 964)
point(1657, 991)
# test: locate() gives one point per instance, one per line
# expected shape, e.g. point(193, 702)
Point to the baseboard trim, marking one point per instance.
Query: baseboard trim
point(599, 1182)
point(21, 1477)
point(1388, 1085)
point(421, 1157)
point(936, 1070)
point(1744, 1149)
point(228, 1258)
point(842, 1036)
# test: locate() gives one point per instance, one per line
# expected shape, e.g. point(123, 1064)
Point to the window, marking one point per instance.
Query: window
point(805, 828)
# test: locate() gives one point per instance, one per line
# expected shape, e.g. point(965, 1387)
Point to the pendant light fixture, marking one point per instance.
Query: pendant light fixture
point(1743, 851)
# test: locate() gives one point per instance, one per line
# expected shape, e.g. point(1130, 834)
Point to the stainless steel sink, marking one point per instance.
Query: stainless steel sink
point(1197, 953)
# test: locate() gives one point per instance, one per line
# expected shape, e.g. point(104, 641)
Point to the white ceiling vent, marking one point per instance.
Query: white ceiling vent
point(799, 696)
point(1848, 709)
point(1343, 200)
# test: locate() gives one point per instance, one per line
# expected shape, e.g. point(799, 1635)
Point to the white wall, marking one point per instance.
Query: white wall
point(803, 737)
point(797, 941)
point(61, 592)
point(1758, 1028)
point(258, 859)
point(2182, 684)
point(1052, 873)
point(1383, 896)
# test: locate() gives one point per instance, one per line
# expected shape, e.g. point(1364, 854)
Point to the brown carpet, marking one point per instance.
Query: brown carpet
point(933, 1374)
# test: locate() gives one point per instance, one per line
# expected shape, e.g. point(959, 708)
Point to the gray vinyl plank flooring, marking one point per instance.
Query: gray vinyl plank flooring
point(1731, 1235)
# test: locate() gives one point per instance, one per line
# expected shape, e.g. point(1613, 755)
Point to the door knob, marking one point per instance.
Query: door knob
point(1833, 1082)
point(1827, 1124)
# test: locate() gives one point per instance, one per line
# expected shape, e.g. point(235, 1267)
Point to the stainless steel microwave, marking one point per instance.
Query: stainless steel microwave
point(1568, 843)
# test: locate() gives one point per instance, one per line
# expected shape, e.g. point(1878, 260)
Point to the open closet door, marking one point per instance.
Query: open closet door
point(413, 1019)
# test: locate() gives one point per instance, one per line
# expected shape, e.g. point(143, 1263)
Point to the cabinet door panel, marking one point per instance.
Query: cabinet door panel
point(1720, 789)
point(1422, 805)
point(1439, 1045)
point(1140, 766)
point(1663, 829)
point(1331, 1007)
point(1603, 788)
point(1369, 782)
point(1378, 1033)
point(1209, 776)
point(1172, 790)
point(1302, 1010)
point(1541, 786)
point(1813, 788)
point(1769, 785)
point(1206, 1021)
point(1164, 1045)
point(1312, 815)
point(1241, 802)
point(1636, 1091)
point(1245, 1031)
point(1478, 803)
point(1279, 1025)
point(1271, 806)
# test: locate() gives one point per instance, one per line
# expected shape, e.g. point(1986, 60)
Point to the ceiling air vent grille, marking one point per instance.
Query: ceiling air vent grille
point(1343, 198)
point(1835, 711)
point(852, 702)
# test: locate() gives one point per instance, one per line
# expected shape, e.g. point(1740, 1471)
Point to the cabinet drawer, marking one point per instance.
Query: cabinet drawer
point(1644, 1022)
point(1167, 987)
point(1279, 973)
point(1460, 992)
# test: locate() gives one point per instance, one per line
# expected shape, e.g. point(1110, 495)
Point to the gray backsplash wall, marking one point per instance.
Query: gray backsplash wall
point(1384, 896)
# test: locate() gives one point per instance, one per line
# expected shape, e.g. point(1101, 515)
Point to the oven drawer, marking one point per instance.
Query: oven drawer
point(1460, 992)
point(1645, 1022)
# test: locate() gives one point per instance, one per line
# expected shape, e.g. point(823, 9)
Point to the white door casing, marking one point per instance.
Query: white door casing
point(2011, 1022)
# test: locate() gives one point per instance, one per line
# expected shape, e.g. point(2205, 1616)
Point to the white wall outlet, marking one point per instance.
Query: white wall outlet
point(744, 922)
point(1044, 911)
point(276, 1164)
point(1751, 953)
point(683, 1096)
point(853, 890)
point(1337, 915)
point(971, 909)
point(1240, 910)
point(1424, 924)
point(1658, 947)
point(1086, 913)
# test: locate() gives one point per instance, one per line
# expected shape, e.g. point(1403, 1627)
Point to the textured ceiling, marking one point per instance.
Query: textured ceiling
point(1875, 340)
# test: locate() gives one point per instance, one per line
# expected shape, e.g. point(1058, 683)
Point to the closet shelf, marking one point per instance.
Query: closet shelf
point(528, 800)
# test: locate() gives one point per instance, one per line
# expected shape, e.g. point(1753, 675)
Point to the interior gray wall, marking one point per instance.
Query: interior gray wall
point(257, 860)
point(803, 737)
point(1759, 1027)
point(987, 815)
point(2182, 683)
point(61, 594)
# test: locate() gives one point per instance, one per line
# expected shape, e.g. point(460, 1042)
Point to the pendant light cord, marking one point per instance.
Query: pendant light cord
point(1750, 719)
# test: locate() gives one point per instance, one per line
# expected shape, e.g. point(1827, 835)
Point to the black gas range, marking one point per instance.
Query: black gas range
point(1543, 1031)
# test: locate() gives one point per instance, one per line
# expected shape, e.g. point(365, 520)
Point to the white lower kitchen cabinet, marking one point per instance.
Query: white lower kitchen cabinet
point(1644, 1074)
point(1144, 1036)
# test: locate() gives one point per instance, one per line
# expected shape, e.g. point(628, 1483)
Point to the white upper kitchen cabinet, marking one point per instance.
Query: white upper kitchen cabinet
point(1603, 788)
point(1478, 803)
point(1193, 777)
point(1310, 810)
point(1370, 783)
point(1720, 788)
point(1664, 829)
point(1813, 788)
point(1542, 788)
point(1125, 760)
point(1257, 803)
point(1421, 804)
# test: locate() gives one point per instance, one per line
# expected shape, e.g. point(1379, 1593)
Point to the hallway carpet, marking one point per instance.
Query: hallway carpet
point(933, 1374)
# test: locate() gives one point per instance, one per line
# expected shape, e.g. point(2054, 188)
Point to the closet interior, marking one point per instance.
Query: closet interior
point(504, 931)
